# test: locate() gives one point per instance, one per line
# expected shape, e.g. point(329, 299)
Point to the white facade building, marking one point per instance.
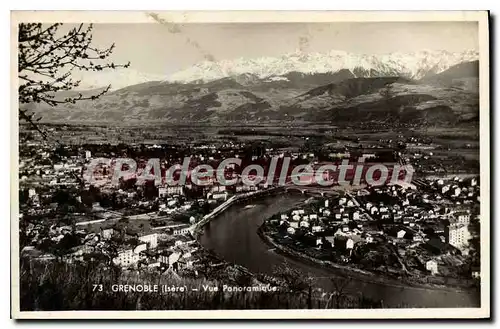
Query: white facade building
point(151, 239)
point(126, 258)
point(432, 266)
point(458, 236)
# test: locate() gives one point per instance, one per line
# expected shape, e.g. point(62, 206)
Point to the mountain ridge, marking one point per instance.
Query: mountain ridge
point(349, 100)
point(414, 65)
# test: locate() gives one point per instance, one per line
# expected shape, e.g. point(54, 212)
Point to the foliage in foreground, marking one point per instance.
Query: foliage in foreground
point(60, 286)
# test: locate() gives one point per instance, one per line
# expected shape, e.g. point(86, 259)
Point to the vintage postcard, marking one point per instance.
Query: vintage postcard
point(250, 165)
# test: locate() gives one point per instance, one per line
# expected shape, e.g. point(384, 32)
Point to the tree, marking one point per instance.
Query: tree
point(339, 293)
point(67, 242)
point(294, 279)
point(47, 57)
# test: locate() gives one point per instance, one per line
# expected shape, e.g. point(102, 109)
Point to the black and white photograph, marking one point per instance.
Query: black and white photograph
point(250, 165)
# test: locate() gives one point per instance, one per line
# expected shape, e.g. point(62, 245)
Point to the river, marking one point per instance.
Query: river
point(233, 236)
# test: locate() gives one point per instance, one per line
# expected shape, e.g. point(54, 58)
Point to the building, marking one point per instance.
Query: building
point(150, 239)
point(140, 248)
point(458, 236)
point(304, 224)
point(107, 233)
point(331, 240)
point(96, 207)
point(246, 188)
point(316, 229)
point(77, 253)
point(217, 196)
point(173, 258)
point(343, 243)
point(126, 257)
point(170, 190)
point(418, 238)
point(432, 266)
point(476, 272)
point(31, 192)
point(181, 229)
point(462, 217)
point(217, 188)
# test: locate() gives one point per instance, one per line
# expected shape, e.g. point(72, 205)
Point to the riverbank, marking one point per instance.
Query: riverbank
point(196, 229)
point(352, 272)
point(359, 274)
point(233, 237)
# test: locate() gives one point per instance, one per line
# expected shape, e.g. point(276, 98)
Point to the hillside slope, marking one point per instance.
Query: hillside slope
point(296, 96)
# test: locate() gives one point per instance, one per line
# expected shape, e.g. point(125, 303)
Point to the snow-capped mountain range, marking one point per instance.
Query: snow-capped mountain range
point(413, 65)
point(428, 88)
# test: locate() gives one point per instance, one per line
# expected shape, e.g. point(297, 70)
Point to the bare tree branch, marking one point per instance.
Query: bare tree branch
point(47, 58)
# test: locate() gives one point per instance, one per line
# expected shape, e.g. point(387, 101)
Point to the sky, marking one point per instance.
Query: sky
point(158, 49)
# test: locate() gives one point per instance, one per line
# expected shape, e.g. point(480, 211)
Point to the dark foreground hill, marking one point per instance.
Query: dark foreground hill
point(63, 287)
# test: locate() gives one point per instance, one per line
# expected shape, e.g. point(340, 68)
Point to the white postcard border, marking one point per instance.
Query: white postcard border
point(263, 16)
